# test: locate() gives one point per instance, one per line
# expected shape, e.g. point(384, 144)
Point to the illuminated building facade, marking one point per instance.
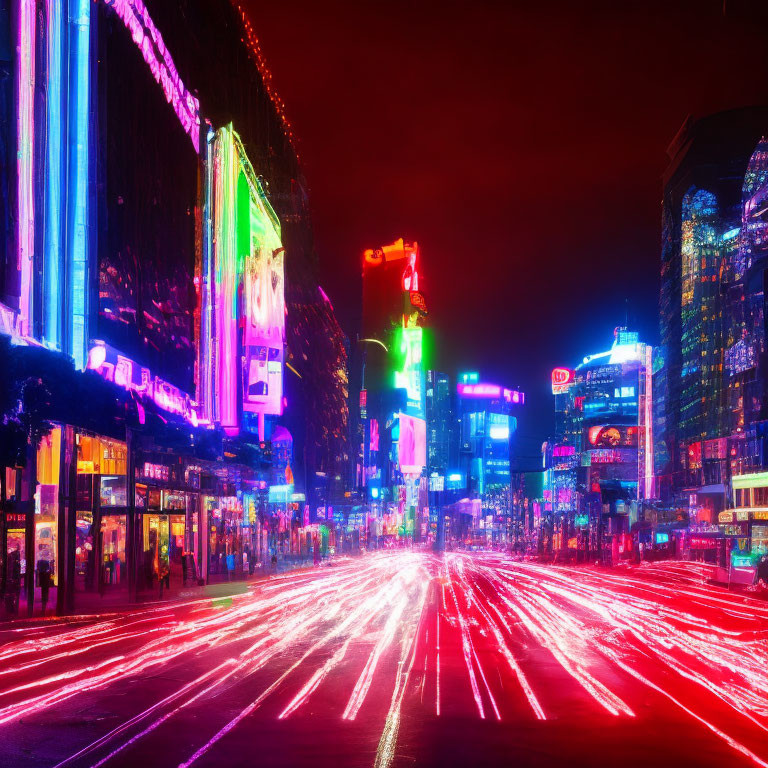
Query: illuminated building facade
point(392, 453)
point(599, 465)
point(486, 424)
point(711, 383)
point(705, 375)
point(159, 279)
point(439, 415)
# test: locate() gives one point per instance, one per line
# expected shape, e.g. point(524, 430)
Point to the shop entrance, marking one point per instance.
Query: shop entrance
point(100, 519)
point(15, 561)
point(112, 547)
point(163, 538)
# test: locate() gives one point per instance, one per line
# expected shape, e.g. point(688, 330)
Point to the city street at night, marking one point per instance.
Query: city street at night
point(402, 658)
point(383, 385)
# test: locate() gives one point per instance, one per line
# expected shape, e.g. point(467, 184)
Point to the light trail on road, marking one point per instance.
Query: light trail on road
point(474, 636)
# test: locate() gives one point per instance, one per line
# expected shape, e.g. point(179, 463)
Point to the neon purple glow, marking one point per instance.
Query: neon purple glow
point(129, 375)
point(25, 74)
point(324, 295)
point(412, 444)
point(225, 289)
point(150, 42)
point(491, 391)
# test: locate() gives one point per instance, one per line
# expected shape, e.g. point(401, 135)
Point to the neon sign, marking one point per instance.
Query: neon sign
point(754, 480)
point(561, 378)
point(150, 42)
point(125, 373)
point(490, 392)
point(412, 444)
point(248, 262)
point(409, 374)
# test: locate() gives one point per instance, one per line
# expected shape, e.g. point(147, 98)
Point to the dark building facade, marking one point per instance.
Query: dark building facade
point(180, 371)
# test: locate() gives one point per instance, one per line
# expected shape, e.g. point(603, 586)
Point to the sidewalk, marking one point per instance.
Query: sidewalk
point(92, 603)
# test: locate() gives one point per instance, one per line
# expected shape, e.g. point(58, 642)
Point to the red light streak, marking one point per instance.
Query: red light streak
point(658, 628)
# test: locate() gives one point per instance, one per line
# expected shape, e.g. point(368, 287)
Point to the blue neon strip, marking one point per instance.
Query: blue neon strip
point(51, 288)
point(80, 21)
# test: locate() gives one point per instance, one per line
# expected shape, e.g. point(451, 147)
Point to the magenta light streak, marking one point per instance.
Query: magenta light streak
point(150, 42)
point(25, 76)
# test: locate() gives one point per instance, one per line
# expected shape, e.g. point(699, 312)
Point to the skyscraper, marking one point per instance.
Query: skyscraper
point(701, 301)
point(439, 413)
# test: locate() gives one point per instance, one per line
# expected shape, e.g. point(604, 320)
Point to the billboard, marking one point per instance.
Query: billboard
point(486, 391)
point(412, 444)
point(609, 436)
point(264, 310)
point(498, 426)
point(248, 298)
point(409, 369)
point(561, 379)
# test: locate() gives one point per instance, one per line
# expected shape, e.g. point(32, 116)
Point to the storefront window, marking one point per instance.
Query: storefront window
point(229, 538)
point(760, 538)
point(164, 530)
point(100, 560)
point(113, 535)
point(47, 503)
point(113, 492)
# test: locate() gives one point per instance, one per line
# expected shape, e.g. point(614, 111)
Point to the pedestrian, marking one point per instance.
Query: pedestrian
point(13, 586)
point(44, 580)
point(164, 575)
point(761, 572)
point(274, 562)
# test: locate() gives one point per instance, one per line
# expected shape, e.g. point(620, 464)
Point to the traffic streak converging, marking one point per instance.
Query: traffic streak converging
point(474, 636)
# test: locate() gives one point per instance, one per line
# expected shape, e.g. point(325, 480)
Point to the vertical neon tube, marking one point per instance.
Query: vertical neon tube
point(207, 353)
point(649, 463)
point(25, 76)
point(51, 292)
point(80, 21)
point(226, 294)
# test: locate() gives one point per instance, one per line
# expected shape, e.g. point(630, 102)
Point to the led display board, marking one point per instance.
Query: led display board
point(498, 426)
point(249, 285)
point(753, 480)
point(412, 444)
point(485, 391)
point(609, 436)
point(409, 371)
point(561, 378)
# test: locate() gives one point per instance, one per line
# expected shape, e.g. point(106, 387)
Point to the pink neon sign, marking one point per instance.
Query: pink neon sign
point(150, 42)
point(412, 444)
point(491, 392)
point(124, 372)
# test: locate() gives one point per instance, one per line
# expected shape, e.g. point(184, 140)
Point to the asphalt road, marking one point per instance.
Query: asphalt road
point(402, 659)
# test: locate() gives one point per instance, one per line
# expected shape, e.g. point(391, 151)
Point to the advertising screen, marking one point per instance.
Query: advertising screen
point(412, 444)
point(498, 426)
point(249, 301)
point(609, 436)
point(409, 371)
point(148, 171)
point(264, 306)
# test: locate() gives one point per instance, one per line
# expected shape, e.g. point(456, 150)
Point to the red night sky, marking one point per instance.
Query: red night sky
point(522, 145)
